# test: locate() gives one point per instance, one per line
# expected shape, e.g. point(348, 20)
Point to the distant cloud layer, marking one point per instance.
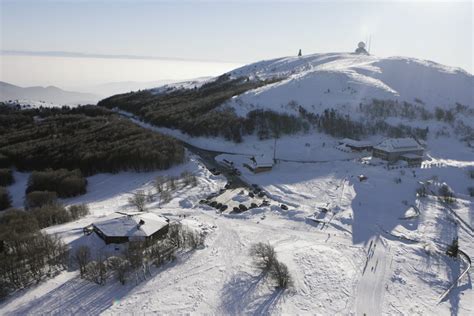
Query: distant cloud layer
point(93, 55)
point(76, 70)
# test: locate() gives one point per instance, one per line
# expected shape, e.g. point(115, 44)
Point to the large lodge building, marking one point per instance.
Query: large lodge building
point(122, 227)
point(394, 149)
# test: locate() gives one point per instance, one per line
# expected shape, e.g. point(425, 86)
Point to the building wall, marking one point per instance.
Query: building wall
point(261, 169)
point(160, 234)
point(394, 156)
point(359, 148)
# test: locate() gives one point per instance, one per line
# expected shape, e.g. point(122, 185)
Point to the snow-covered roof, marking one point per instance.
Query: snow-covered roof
point(398, 144)
point(355, 143)
point(263, 161)
point(120, 225)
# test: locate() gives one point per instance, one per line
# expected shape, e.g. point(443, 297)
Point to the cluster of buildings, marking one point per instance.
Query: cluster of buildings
point(390, 149)
point(123, 227)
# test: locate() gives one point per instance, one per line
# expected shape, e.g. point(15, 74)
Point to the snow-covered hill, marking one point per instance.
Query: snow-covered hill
point(320, 81)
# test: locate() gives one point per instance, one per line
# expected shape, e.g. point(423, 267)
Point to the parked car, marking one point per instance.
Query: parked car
point(223, 208)
point(236, 210)
point(242, 207)
point(284, 207)
point(212, 195)
point(219, 205)
point(261, 194)
point(251, 194)
point(253, 205)
point(213, 204)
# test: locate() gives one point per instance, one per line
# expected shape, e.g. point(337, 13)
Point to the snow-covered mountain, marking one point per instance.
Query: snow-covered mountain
point(49, 94)
point(320, 81)
point(358, 235)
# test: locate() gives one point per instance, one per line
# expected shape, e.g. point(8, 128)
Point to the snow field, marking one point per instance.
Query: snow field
point(334, 267)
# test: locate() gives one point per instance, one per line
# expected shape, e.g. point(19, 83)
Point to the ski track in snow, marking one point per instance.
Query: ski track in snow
point(370, 290)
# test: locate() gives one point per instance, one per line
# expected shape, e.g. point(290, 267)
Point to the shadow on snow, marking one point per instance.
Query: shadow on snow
point(241, 295)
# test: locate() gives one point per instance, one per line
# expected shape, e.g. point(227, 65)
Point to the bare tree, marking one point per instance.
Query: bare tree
point(188, 179)
point(265, 259)
point(149, 196)
point(194, 181)
point(120, 266)
point(172, 183)
point(134, 254)
point(165, 197)
point(160, 183)
point(174, 234)
point(190, 238)
point(279, 272)
point(82, 256)
point(78, 211)
point(138, 200)
point(96, 271)
point(264, 255)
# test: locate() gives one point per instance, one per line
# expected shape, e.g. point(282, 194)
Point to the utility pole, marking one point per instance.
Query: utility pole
point(274, 150)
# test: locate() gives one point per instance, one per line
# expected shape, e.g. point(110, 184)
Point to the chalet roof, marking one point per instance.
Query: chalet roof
point(127, 225)
point(355, 143)
point(398, 144)
point(263, 161)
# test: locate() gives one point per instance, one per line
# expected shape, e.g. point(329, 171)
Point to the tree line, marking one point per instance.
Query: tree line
point(193, 111)
point(27, 255)
point(88, 138)
point(337, 124)
point(65, 183)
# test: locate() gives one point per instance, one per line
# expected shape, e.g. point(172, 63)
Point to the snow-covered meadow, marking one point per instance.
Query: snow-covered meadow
point(349, 265)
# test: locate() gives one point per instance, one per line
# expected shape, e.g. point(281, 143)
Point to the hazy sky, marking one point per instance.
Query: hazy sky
point(222, 31)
